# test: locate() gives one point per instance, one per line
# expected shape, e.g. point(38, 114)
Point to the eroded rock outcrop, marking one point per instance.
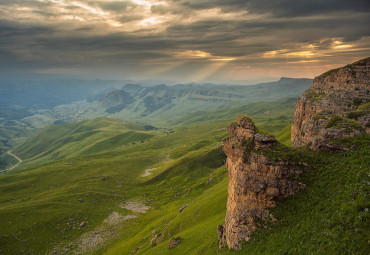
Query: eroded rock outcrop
point(262, 171)
point(174, 242)
point(258, 176)
point(336, 106)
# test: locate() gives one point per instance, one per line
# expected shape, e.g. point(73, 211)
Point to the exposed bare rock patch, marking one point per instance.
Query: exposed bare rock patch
point(135, 206)
point(115, 218)
point(92, 240)
point(174, 242)
point(149, 171)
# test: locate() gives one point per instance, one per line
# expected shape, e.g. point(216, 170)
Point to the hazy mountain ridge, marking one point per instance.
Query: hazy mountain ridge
point(173, 101)
point(156, 105)
point(41, 94)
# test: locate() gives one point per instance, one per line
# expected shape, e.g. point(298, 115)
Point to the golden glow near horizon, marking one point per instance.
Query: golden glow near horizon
point(198, 54)
point(223, 59)
point(300, 54)
point(340, 45)
point(310, 51)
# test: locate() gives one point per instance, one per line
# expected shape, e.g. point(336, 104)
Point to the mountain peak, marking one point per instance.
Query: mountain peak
point(285, 78)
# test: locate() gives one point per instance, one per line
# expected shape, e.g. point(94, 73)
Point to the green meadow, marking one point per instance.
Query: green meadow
point(105, 186)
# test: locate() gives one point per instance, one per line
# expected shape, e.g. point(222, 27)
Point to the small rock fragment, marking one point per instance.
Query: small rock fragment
point(183, 207)
point(174, 242)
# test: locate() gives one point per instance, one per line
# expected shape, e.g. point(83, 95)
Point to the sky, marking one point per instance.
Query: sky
point(221, 41)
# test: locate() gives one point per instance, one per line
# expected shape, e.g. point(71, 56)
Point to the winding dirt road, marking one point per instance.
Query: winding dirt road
point(17, 158)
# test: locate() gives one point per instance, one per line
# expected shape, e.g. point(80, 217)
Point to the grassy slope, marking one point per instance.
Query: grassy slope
point(80, 138)
point(104, 134)
point(54, 137)
point(42, 199)
point(329, 216)
point(284, 135)
point(18, 123)
point(273, 116)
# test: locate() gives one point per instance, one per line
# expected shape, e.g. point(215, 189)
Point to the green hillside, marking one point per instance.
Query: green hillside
point(117, 200)
point(273, 116)
point(284, 135)
point(328, 217)
point(82, 138)
point(43, 199)
point(106, 134)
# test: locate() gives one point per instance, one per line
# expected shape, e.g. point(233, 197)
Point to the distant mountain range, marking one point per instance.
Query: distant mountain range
point(135, 101)
point(27, 106)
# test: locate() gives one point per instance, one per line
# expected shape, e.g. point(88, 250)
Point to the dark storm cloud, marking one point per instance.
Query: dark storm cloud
point(105, 34)
point(284, 8)
point(297, 30)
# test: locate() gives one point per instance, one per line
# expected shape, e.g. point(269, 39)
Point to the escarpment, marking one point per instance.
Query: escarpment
point(336, 106)
point(260, 172)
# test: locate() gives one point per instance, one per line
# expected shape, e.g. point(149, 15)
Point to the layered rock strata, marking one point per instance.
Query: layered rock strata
point(336, 106)
point(260, 172)
point(257, 178)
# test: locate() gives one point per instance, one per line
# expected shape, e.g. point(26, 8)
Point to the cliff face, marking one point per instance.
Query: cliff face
point(261, 170)
point(257, 177)
point(336, 106)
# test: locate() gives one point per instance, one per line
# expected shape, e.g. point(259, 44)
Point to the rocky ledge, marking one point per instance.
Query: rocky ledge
point(336, 106)
point(260, 172)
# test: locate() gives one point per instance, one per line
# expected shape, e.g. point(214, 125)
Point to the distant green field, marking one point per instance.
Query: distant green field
point(273, 116)
point(82, 138)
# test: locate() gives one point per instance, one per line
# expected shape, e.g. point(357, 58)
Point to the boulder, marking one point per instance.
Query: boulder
point(174, 242)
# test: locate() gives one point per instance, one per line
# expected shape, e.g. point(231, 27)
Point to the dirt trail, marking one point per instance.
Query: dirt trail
point(16, 157)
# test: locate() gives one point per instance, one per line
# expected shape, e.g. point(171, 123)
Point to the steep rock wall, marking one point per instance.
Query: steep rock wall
point(336, 106)
point(256, 179)
point(260, 172)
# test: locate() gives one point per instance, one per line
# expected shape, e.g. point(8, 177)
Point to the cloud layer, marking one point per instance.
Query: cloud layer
point(182, 40)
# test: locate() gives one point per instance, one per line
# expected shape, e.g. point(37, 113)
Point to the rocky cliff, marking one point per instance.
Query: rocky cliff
point(336, 106)
point(260, 172)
